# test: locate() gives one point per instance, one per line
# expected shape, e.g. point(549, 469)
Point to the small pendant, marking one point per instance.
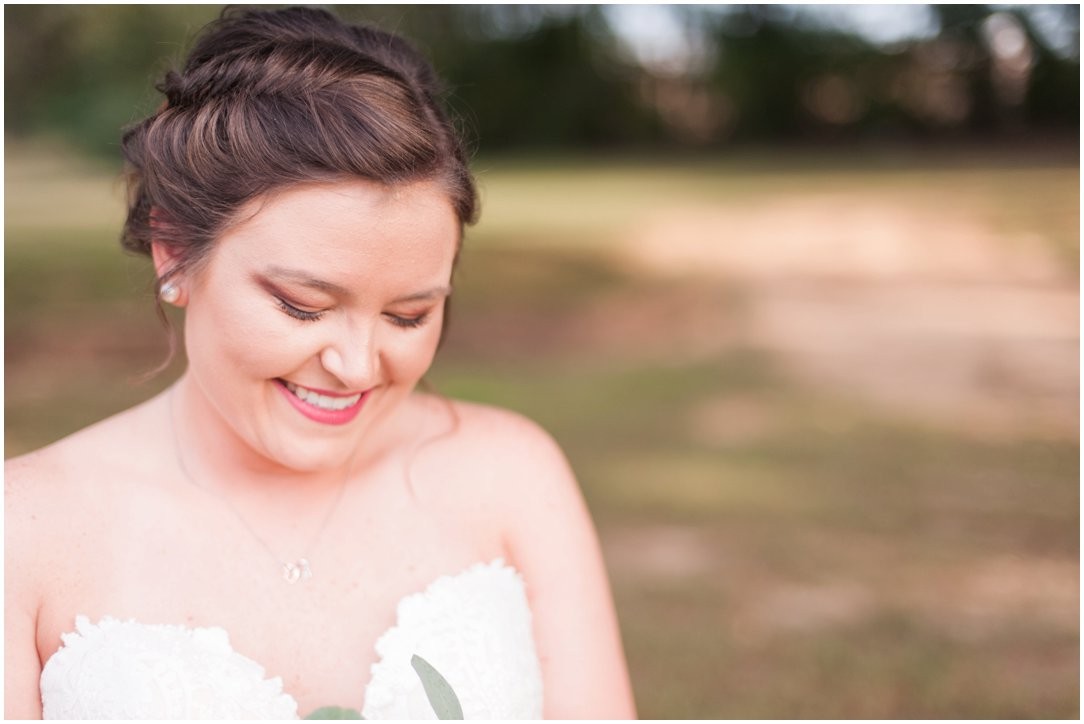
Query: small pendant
point(294, 572)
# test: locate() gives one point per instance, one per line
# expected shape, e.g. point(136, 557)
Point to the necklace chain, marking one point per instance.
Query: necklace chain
point(298, 571)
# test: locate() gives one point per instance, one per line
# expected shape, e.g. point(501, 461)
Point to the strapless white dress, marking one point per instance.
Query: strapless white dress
point(473, 627)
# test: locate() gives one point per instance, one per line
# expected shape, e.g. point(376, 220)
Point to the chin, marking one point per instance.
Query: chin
point(315, 465)
point(306, 457)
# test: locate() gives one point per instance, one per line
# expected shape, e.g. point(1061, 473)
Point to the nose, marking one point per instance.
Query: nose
point(352, 358)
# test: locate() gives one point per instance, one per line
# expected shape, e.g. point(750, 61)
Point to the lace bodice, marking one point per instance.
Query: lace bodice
point(473, 627)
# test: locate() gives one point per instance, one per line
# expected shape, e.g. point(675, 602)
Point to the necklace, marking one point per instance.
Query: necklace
point(298, 571)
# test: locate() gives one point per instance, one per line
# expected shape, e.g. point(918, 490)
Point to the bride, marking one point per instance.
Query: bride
point(291, 523)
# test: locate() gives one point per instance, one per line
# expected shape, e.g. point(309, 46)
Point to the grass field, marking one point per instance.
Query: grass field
point(824, 408)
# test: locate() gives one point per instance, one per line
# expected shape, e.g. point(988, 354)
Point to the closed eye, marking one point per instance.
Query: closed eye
point(296, 313)
point(407, 322)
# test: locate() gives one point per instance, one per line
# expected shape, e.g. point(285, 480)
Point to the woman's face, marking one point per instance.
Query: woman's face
point(318, 313)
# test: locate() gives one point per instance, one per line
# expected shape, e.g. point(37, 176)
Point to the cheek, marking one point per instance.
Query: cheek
point(241, 340)
point(410, 356)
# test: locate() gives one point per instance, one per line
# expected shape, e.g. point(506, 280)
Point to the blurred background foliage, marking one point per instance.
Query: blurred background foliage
point(795, 287)
point(574, 77)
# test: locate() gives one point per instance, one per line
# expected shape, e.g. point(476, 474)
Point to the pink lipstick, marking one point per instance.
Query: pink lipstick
point(328, 408)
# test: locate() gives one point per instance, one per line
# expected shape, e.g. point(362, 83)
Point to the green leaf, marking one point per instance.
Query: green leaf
point(334, 712)
point(441, 696)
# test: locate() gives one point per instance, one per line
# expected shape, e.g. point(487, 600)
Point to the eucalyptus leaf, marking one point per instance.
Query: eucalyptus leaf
point(441, 696)
point(335, 712)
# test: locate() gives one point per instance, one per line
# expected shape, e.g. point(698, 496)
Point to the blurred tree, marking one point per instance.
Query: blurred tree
point(969, 59)
point(557, 85)
point(777, 74)
point(1053, 95)
point(531, 76)
point(86, 70)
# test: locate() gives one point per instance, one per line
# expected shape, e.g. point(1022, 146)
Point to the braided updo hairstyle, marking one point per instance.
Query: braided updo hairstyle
point(271, 98)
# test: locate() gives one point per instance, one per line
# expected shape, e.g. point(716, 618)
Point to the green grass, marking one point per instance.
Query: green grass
point(569, 203)
point(933, 571)
point(888, 666)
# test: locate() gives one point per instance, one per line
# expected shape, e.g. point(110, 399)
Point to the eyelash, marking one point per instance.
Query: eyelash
point(298, 313)
point(408, 322)
point(301, 314)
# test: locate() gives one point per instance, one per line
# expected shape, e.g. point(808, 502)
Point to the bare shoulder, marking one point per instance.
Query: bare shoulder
point(507, 462)
point(76, 470)
point(551, 540)
point(66, 494)
point(33, 479)
point(39, 499)
point(500, 441)
point(60, 505)
point(500, 461)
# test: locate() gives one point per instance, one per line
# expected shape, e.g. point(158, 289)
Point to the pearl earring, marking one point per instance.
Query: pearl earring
point(169, 293)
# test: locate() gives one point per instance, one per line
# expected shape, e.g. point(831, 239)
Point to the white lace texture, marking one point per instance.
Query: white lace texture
point(473, 627)
point(128, 670)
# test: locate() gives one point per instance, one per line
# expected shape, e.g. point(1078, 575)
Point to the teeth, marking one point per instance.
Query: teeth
point(322, 401)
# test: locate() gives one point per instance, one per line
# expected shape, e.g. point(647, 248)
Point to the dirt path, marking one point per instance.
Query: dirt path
point(968, 597)
point(911, 303)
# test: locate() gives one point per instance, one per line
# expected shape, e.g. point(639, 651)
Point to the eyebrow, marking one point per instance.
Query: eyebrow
point(434, 293)
point(305, 279)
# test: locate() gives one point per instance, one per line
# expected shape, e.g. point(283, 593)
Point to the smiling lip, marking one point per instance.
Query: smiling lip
point(320, 414)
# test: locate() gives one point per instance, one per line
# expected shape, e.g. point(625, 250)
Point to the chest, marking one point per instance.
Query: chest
point(319, 638)
point(473, 626)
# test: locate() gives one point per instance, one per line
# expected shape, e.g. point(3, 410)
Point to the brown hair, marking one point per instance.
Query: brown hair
point(272, 98)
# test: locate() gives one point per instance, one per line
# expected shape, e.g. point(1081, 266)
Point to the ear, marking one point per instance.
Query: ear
point(165, 258)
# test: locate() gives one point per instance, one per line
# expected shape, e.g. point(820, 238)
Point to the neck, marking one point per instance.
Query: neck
point(215, 455)
point(275, 498)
